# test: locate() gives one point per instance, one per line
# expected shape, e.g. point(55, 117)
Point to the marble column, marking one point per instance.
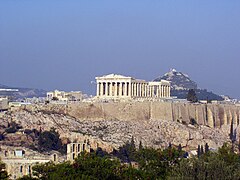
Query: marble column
point(153, 91)
point(168, 88)
point(115, 88)
point(110, 89)
point(101, 89)
point(120, 89)
point(160, 94)
point(132, 89)
point(148, 91)
point(129, 88)
point(98, 87)
point(135, 89)
point(165, 91)
point(140, 90)
point(131, 85)
point(162, 91)
point(106, 89)
point(145, 90)
point(125, 89)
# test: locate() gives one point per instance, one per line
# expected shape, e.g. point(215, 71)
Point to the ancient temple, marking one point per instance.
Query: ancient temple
point(118, 86)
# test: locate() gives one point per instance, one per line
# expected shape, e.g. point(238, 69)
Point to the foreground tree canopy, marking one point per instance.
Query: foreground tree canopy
point(3, 172)
point(144, 163)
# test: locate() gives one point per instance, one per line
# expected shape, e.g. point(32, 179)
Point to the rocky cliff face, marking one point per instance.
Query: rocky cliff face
point(110, 125)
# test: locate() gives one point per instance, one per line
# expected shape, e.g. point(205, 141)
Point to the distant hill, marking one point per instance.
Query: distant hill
point(3, 86)
point(181, 83)
point(22, 92)
point(179, 80)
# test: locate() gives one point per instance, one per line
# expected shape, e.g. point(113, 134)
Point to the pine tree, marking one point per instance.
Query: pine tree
point(191, 96)
point(232, 138)
point(140, 147)
point(202, 152)
point(206, 148)
point(179, 147)
point(199, 151)
point(132, 144)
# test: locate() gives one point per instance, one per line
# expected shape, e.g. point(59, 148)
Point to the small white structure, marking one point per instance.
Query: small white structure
point(3, 103)
point(118, 86)
point(65, 96)
point(19, 162)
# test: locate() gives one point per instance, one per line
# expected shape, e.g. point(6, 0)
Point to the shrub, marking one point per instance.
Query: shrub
point(193, 121)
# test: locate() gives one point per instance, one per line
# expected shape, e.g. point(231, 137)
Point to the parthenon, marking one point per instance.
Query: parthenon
point(118, 86)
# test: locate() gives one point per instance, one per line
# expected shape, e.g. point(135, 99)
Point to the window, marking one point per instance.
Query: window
point(73, 147)
point(78, 148)
point(21, 169)
point(54, 157)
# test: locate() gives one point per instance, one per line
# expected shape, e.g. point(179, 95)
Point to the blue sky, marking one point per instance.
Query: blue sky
point(64, 44)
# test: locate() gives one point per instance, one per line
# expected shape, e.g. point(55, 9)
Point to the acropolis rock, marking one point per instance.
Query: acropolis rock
point(110, 125)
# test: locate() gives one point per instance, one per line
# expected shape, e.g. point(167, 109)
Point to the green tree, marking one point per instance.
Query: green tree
point(180, 147)
point(86, 166)
point(156, 163)
point(199, 151)
point(191, 96)
point(206, 148)
point(232, 135)
point(127, 152)
point(221, 165)
point(50, 140)
point(3, 172)
point(202, 151)
point(140, 147)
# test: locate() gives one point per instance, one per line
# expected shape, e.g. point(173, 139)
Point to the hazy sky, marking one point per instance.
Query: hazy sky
point(64, 44)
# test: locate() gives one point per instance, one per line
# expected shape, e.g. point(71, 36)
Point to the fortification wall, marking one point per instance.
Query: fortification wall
point(212, 115)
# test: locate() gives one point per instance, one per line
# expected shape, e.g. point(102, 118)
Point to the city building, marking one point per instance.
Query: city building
point(3, 104)
point(118, 86)
point(19, 161)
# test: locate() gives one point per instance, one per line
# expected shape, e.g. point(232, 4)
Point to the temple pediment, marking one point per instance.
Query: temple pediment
point(114, 76)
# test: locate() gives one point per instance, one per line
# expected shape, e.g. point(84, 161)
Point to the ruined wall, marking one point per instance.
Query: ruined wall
point(154, 123)
point(212, 115)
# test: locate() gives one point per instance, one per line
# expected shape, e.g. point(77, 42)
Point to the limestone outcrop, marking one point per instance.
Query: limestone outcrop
point(155, 124)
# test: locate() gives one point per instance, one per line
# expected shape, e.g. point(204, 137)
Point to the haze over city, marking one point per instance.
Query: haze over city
point(65, 44)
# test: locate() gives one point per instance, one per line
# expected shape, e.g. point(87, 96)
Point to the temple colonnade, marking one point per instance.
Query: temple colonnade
point(112, 86)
